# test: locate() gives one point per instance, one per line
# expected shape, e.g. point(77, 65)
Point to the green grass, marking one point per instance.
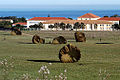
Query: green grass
point(94, 56)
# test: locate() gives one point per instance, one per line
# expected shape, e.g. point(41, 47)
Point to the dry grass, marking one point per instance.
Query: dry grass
point(28, 57)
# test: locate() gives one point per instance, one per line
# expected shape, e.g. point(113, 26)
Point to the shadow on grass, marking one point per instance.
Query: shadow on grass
point(6, 34)
point(104, 43)
point(71, 41)
point(25, 43)
point(81, 64)
point(49, 43)
point(32, 43)
point(47, 61)
point(49, 37)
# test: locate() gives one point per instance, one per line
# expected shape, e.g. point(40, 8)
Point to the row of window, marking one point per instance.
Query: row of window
point(34, 22)
point(103, 25)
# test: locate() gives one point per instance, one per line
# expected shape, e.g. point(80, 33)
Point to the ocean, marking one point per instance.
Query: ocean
point(72, 14)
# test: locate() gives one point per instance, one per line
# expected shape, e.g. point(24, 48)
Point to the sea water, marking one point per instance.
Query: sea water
point(72, 14)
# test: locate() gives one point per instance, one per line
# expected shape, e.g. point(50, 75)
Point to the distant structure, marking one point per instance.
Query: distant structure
point(115, 20)
point(89, 25)
point(86, 22)
point(37, 20)
point(20, 23)
point(48, 15)
point(10, 20)
point(88, 16)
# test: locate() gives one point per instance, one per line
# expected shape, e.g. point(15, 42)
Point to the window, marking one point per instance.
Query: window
point(34, 22)
point(95, 26)
point(116, 22)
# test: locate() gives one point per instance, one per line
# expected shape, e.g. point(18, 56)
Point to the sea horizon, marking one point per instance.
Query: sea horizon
point(57, 13)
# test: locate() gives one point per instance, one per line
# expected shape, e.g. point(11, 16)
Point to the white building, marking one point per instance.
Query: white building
point(90, 21)
point(115, 20)
point(90, 25)
point(37, 20)
point(88, 16)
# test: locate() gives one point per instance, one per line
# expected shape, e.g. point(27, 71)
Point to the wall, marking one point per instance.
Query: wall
point(104, 27)
point(88, 18)
point(115, 22)
point(88, 27)
point(29, 23)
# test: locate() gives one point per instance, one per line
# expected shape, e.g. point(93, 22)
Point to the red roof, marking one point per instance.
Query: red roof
point(49, 18)
point(89, 15)
point(110, 18)
point(21, 23)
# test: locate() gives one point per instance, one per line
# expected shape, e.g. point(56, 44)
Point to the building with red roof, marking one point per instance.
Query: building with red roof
point(37, 20)
point(20, 23)
point(115, 20)
point(89, 25)
point(88, 16)
point(89, 19)
point(48, 18)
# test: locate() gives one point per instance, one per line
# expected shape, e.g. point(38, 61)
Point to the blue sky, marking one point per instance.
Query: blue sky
point(58, 4)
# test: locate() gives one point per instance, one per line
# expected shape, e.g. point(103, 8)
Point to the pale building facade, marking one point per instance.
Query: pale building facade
point(90, 21)
point(114, 20)
point(91, 25)
point(37, 20)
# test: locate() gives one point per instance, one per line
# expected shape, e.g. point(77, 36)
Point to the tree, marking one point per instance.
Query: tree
point(115, 15)
point(95, 26)
point(116, 26)
point(23, 19)
point(68, 26)
point(76, 25)
point(62, 25)
point(31, 26)
point(106, 16)
point(15, 19)
point(70, 18)
point(18, 26)
point(82, 25)
point(48, 15)
point(51, 27)
point(56, 25)
point(34, 26)
point(40, 25)
point(5, 24)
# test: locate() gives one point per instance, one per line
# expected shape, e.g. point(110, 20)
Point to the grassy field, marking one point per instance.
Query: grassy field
point(98, 60)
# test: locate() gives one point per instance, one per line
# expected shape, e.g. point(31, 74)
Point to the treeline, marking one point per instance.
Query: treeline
point(8, 24)
point(5, 24)
point(116, 27)
point(116, 15)
point(61, 25)
point(15, 19)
